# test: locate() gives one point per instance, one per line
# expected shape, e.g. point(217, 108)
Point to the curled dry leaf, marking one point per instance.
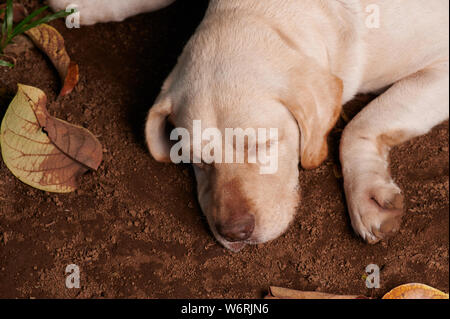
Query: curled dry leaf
point(285, 293)
point(19, 12)
point(51, 42)
point(415, 291)
point(43, 151)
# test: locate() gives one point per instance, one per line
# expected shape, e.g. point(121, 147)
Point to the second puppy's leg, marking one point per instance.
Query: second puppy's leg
point(95, 11)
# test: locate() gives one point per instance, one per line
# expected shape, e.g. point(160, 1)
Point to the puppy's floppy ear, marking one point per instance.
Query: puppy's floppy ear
point(314, 97)
point(155, 130)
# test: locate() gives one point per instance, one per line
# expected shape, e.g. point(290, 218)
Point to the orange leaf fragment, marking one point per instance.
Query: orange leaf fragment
point(415, 291)
point(71, 79)
point(51, 42)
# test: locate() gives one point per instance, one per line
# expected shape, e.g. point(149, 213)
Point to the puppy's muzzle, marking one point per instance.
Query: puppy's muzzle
point(237, 229)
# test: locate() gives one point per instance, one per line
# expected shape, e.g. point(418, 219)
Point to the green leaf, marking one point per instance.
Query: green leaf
point(46, 19)
point(9, 18)
point(3, 35)
point(17, 29)
point(7, 64)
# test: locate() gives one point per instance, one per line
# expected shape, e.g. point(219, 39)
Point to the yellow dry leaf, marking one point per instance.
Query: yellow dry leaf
point(415, 291)
point(42, 151)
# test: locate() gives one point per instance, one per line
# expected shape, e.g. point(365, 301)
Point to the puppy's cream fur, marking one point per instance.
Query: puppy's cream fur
point(291, 65)
point(97, 11)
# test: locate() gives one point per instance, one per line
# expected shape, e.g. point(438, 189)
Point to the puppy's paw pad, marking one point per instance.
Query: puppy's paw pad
point(388, 198)
point(378, 213)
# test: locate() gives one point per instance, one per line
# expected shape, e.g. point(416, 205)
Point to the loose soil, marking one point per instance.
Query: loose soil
point(135, 228)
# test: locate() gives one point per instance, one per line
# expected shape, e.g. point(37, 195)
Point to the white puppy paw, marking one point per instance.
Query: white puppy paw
point(96, 11)
point(90, 12)
point(376, 208)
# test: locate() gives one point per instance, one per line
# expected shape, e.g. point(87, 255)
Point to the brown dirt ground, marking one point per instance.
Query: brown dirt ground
point(135, 227)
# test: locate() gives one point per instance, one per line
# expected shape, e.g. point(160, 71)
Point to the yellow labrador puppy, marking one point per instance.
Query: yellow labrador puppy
point(290, 65)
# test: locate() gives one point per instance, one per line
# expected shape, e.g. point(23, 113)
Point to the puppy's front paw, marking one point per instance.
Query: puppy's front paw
point(376, 208)
point(90, 11)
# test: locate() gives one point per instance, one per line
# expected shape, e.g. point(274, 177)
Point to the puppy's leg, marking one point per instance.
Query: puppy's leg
point(95, 11)
point(410, 108)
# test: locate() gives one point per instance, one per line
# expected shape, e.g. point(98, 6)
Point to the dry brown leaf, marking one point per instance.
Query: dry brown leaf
point(43, 151)
point(415, 291)
point(19, 12)
point(285, 293)
point(51, 42)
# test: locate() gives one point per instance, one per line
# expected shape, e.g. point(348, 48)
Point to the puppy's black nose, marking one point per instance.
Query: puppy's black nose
point(238, 228)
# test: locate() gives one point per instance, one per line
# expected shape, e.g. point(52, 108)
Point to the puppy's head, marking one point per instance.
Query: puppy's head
point(254, 200)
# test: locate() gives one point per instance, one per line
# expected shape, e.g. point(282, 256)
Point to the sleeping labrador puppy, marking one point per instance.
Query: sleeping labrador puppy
point(290, 66)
